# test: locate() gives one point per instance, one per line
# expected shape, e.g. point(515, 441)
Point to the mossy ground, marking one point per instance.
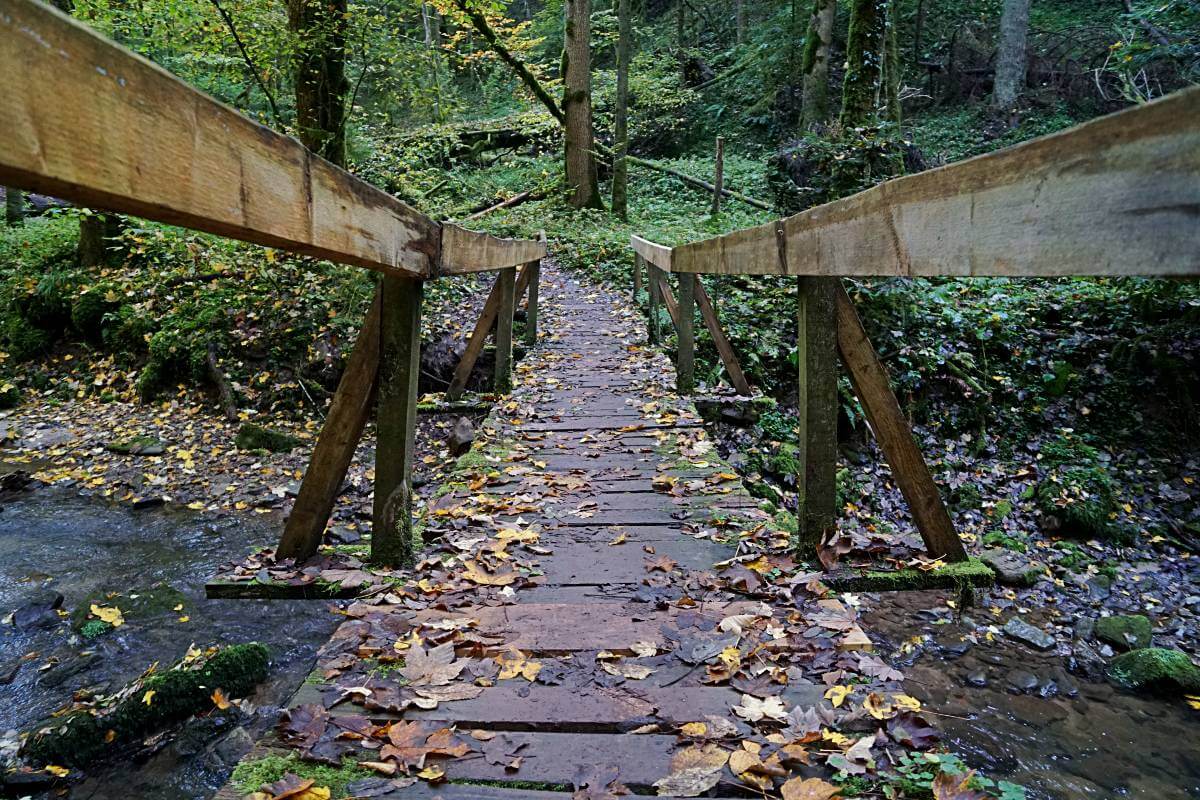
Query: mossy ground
point(1125, 631)
point(971, 573)
point(249, 776)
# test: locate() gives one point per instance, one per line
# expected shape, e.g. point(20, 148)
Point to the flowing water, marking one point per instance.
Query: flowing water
point(152, 562)
point(1017, 714)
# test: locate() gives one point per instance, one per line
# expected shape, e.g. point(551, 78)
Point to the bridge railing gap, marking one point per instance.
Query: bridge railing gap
point(1117, 196)
point(93, 123)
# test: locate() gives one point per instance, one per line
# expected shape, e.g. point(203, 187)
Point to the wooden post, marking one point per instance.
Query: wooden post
point(506, 300)
point(719, 176)
point(733, 369)
point(870, 380)
point(655, 335)
point(483, 326)
point(685, 355)
point(816, 352)
point(335, 446)
point(531, 307)
point(396, 421)
point(637, 277)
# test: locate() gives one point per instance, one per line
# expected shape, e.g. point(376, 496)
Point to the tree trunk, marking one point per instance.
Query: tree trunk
point(577, 106)
point(1010, 53)
point(620, 175)
point(14, 206)
point(739, 14)
point(864, 60)
point(319, 27)
point(680, 24)
point(892, 62)
point(814, 68)
point(93, 230)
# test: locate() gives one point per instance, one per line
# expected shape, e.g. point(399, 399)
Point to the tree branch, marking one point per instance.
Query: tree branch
point(250, 64)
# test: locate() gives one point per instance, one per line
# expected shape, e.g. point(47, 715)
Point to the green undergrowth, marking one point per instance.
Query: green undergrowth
point(250, 775)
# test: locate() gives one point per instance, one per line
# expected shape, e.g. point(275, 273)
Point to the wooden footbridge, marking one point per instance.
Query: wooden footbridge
point(600, 607)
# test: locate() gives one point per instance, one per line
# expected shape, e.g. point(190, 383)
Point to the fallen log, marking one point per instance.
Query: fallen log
point(698, 183)
point(515, 200)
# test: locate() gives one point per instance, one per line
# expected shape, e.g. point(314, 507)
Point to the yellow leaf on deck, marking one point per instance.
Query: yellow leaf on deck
point(837, 694)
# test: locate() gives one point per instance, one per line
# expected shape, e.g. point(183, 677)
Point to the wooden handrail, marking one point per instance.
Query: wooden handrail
point(93, 123)
point(1119, 195)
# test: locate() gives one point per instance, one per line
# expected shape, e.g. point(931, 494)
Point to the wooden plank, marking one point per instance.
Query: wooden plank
point(657, 254)
point(465, 251)
point(335, 445)
point(506, 302)
point(93, 123)
point(396, 421)
point(483, 326)
point(816, 343)
point(733, 369)
point(531, 304)
point(685, 329)
point(1114, 196)
point(870, 380)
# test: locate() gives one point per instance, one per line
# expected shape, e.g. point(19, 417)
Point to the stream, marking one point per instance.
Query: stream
point(1017, 714)
point(151, 563)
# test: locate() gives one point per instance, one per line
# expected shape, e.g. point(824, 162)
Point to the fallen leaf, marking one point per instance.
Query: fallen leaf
point(809, 789)
point(110, 614)
point(754, 709)
point(220, 700)
point(694, 770)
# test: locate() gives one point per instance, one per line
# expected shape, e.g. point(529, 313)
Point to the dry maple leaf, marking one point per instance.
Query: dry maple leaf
point(433, 667)
point(410, 743)
point(754, 709)
point(694, 770)
point(661, 564)
point(809, 789)
point(955, 787)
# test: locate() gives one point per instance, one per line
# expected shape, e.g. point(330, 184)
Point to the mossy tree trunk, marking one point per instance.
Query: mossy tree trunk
point(96, 231)
point(14, 206)
point(620, 175)
point(864, 61)
point(892, 65)
point(1010, 53)
point(739, 16)
point(814, 66)
point(319, 31)
point(579, 143)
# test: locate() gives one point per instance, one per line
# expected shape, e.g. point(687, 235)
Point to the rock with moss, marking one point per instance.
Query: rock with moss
point(257, 437)
point(1012, 569)
point(1125, 631)
point(90, 309)
point(1156, 670)
point(1077, 495)
point(82, 738)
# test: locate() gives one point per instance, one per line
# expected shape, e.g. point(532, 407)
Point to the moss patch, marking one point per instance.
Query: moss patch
point(1077, 495)
point(1155, 669)
point(249, 776)
point(1125, 631)
point(256, 437)
point(81, 738)
point(971, 573)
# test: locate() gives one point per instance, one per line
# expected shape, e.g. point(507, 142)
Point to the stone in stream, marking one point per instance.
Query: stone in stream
point(40, 610)
point(461, 437)
point(1011, 568)
point(257, 437)
point(1099, 587)
point(1022, 631)
point(1022, 680)
point(1155, 669)
point(1125, 631)
point(977, 678)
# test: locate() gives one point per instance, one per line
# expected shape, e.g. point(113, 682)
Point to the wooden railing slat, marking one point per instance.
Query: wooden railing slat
point(465, 251)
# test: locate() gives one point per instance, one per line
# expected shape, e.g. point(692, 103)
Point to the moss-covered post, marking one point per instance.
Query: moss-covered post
point(816, 352)
point(864, 60)
point(396, 420)
point(531, 305)
point(507, 281)
point(814, 66)
point(685, 354)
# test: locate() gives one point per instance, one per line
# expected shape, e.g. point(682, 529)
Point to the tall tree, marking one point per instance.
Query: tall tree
point(864, 61)
point(814, 66)
point(579, 143)
point(620, 177)
point(14, 206)
point(319, 31)
point(739, 17)
point(1010, 53)
point(892, 62)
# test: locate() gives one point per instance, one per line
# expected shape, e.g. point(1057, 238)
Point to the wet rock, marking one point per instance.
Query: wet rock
point(70, 668)
point(1086, 662)
point(232, 747)
point(25, 781)
point(1125, 631)
point(8, 673)
point(257, 437)
point(977, 678)
point(1022, 631)
point(139, 446)
point(40, 610)
point(1155, 669)
point(1084, 628)
point(1037, 712)
point(1011, 568)
point(1022, 680)
point(461, 437)
point(1099, 587)
point(953, 644)
point(141, 503)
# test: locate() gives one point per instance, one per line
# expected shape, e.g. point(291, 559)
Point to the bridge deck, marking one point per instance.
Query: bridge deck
point(601, 582)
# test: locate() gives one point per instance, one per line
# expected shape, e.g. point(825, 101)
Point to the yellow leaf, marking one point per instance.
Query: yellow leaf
point(148, 696)
point(184, 618)
point(219, 699)
point(109, 736)
point(58, 772)
point(619, 540)
point(1193, 701)
point(837, 694)
point(432, 773)
point(315, 793)
point(694, 729)
point(906, 702)
point(110, 614)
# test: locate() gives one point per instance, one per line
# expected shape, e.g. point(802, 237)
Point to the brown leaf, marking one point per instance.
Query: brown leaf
point(431, 667)
point(954, 787)
point(694, 770)
point(809, 789)
point(290, 785)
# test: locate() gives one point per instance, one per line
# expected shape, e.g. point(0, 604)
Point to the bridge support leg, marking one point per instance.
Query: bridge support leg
point(399, 368)
point(817, 400)
point(335, 446)
point(654, 335)
point(531, 306)
point(507, 283)
point(637, 277)
point(685, 326)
